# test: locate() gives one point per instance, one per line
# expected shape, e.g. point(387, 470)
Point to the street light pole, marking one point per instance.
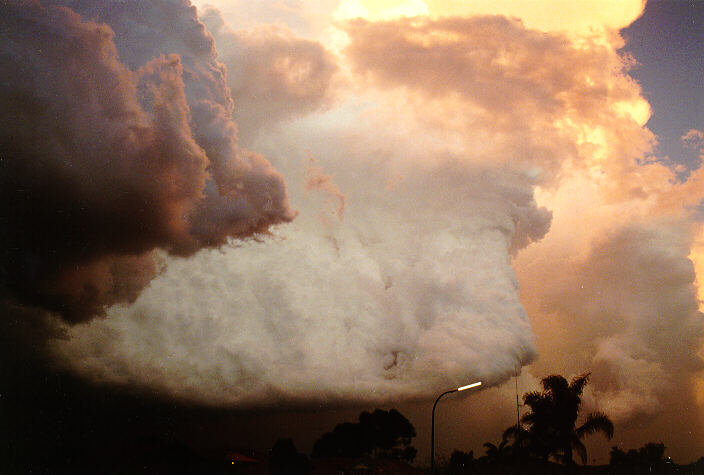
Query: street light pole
point(432, 424)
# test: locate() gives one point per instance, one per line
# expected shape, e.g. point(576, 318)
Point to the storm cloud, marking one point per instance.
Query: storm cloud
point(117, 139)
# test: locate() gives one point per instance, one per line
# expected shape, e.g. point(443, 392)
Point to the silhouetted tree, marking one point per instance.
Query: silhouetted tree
point(647, 458)
point(346, 440)
point(460, 462)
point(618, 457)
point(377, 434)
point(652, 453)
point(551, 423)
point(519, 442)
point(285, 459)
point(497, 453)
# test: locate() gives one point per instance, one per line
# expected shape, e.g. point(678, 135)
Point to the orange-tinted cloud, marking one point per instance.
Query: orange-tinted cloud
point(535, 92)
point(317, 179)
point(273, 74)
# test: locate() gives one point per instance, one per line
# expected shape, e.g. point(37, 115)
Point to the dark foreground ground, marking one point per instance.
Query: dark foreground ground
point(176, 459)
point(554, 469)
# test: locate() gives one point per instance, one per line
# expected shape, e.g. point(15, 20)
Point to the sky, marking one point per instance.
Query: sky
point(661, 40)
point(234, 221)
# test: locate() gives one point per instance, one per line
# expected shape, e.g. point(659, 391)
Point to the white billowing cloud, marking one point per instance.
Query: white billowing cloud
point(410, 293)
point(638, 380)
point(307, 19)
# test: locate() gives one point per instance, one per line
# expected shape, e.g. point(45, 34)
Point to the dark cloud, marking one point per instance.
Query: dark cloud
point(116, 139)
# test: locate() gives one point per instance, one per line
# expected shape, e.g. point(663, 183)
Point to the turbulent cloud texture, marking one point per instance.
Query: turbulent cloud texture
point(375, 307)
point(117, 139)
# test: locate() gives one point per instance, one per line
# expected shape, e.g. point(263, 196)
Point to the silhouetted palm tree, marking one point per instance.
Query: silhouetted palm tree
point(520, 441)
point(552, 423)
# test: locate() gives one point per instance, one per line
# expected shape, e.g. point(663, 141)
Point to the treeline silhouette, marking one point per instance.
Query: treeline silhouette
point(549, 439)
point(380, 434)
point(380, 442)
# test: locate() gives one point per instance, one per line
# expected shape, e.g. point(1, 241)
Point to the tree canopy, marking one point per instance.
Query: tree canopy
point(285, 460)
point(647, 458)
point(378, 434)
point(552, 429)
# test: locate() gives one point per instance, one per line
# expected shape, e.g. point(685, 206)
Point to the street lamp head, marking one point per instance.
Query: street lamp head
point(473, 385)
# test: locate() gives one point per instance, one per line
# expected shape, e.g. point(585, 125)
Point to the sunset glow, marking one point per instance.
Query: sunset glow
point(584, 18)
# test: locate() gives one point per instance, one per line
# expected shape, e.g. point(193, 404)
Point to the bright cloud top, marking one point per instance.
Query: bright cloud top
point(588, 18)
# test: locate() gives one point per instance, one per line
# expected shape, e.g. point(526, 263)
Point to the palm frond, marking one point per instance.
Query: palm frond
point(531, 397)
point(512, 432)
point(578, 383)
point(554, 383)
point(596, 422)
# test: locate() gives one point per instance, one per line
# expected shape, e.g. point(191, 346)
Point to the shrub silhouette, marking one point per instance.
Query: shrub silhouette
point(380, 434)
point(285, 459)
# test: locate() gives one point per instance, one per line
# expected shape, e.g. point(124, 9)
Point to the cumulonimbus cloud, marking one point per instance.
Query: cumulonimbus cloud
point(413, 291)
point(631, 302)
point(460, 146)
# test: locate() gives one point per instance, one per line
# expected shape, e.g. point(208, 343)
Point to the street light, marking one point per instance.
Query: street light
point(432, 425)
